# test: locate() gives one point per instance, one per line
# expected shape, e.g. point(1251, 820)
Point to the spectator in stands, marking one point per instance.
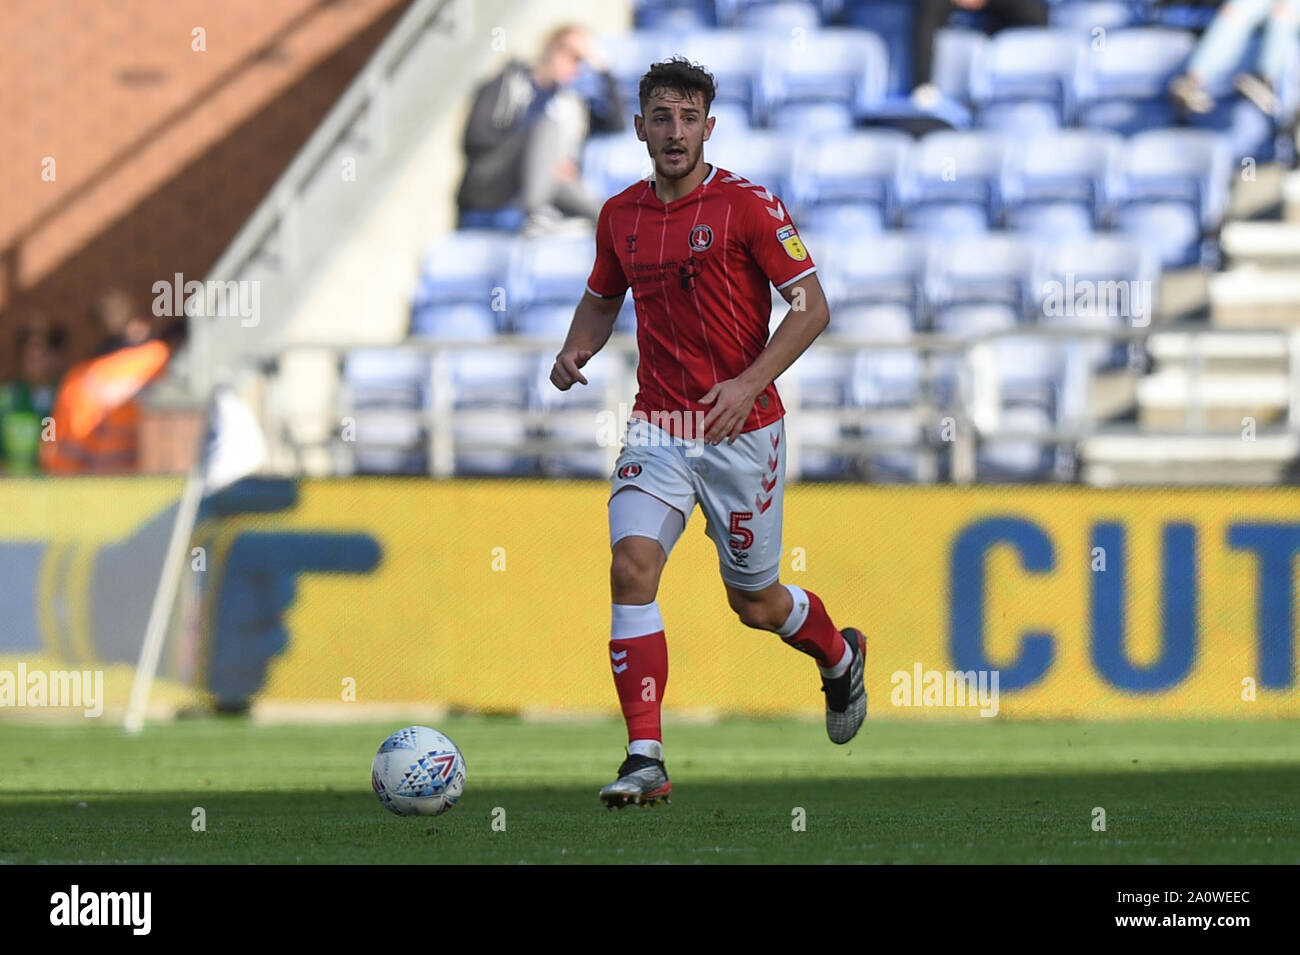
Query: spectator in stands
point(525, 134)
point(931, 15)
point(96, 416)
point(122, 322)
point(1224, 44)
point(28, 400)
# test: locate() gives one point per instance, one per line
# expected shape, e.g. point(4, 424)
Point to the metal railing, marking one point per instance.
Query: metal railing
point(946, 420)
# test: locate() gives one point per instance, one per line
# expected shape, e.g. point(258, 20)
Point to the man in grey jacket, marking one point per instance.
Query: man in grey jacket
point(524, 138)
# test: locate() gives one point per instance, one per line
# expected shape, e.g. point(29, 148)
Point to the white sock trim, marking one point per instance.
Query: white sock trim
point(798, 613)
point(646, 747)
point(635, 620)
point(839, 668)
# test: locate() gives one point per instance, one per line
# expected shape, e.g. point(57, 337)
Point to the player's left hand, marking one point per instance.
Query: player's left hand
point(732, 402)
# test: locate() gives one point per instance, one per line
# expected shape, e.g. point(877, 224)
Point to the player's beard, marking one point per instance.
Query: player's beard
point(678, 170)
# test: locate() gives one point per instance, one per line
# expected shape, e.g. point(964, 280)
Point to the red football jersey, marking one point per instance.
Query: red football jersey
point(699, 268)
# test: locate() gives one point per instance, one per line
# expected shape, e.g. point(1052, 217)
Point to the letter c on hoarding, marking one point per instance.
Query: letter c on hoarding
point(966, 598)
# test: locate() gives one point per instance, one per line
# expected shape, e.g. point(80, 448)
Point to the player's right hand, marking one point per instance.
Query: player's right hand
point(567, 363)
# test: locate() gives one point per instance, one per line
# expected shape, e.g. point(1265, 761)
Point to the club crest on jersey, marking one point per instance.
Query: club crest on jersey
point(701, 238)
point(629, 470)
point(793, 245)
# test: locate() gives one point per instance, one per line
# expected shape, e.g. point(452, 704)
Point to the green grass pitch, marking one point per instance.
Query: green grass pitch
point(982, 792)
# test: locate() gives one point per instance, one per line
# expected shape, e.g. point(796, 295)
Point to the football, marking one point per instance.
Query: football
point(418, 772)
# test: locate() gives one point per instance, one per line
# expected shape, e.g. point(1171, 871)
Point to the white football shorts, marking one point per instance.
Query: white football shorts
point(740, 487)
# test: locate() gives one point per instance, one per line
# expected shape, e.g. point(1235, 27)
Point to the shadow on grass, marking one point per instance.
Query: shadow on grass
point(1197, 816)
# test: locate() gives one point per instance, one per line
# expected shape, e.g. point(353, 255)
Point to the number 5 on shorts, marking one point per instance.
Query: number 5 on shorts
point(746, 535)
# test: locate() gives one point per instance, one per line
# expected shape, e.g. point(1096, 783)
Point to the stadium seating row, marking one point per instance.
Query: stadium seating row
point(1167, 187)
point(882, 286)
point(387, 390)
point(1080, 14)
point(1037, 77)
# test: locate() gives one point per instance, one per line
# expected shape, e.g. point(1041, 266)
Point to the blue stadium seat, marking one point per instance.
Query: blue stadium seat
point(1087, 16)
point(588, 459)
point(489, 378)
point(598, 371)
point(546, 321)
point(973, 321)
point(846, 218)
point(1025, 78)
point(550, 271)
point(733, 12)
point(1096, 353)
point(863, 168)
point(390, 461)
point(887, 378)
point(1030, 369)
point(779, 17)
point(502, 430)
point(821, 465)
point(1011, 459)
point(812, 119)
point(386, 377)
point(676, 20)
point(583, 457)
point(835, 64)
point(459, 321)
point(955, 54)
point(954, 168)
point(612, 162)
point(389, 441)
point(630, 54)
point(728, 119)
point(674, 14)
point(1051, 219)
point(947, 372)
point(762, 156)
point(1062, 181)
point(734, 57)
point(881, 321)
point(1169, 227)
point(1246, 129)
point(463, 266)
point(1175, 191)
point(1185, 16)
point(821, 378)
point(886, 268)
point(1076, 273)
point(941, 219)
point(893, 465)
point(991, 269)
point(1124, 83)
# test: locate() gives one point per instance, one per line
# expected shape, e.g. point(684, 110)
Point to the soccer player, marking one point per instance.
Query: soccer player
point(698, 246)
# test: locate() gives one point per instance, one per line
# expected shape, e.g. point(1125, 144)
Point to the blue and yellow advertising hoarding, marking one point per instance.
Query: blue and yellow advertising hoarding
point(1125, 603)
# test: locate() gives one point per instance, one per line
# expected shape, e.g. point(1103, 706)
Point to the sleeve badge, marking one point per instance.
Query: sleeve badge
point(793, 246)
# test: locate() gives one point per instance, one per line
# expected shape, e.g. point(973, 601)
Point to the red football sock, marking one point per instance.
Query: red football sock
point(818, 637)
point(640, 668)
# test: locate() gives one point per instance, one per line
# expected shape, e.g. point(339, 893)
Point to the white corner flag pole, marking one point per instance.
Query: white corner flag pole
point(164, 598)
point(232, 447)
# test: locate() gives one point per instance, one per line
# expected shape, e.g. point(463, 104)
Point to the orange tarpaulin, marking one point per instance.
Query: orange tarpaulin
point(96, 419)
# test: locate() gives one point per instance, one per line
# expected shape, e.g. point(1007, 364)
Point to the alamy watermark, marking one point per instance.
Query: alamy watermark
point(53, 688)
point(669, 429)
point(127, 909)
point(945, 688)
point(242, 299)
point(1130, 299)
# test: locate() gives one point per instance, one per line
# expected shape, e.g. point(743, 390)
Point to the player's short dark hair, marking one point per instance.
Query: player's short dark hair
point(679, 75)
